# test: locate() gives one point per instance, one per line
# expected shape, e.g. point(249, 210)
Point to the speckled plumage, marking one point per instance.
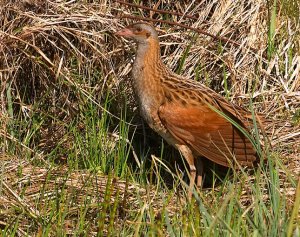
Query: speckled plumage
point(183, 111)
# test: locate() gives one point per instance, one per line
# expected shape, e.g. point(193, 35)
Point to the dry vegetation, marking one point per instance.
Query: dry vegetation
point(61, 64)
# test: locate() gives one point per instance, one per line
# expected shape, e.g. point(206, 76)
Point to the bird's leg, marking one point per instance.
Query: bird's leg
point(188, 155)
point(199, 165)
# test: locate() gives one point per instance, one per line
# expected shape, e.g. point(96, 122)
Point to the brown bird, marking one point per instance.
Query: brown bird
point(188, 115)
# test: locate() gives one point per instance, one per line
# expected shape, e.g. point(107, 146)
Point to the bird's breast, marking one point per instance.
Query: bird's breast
point(148, 91)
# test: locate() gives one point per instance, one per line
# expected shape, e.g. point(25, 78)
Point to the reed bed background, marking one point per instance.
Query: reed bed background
point(76, 158)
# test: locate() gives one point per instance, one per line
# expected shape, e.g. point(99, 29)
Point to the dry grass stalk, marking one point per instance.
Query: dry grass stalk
point(27, 187)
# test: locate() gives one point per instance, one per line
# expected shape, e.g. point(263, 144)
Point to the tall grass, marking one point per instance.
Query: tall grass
point(243, 204)
point(272, 27)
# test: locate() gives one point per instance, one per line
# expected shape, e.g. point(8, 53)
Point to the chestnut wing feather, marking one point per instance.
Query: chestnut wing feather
point(207, 133)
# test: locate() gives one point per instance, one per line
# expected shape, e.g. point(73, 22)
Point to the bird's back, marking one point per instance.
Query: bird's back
point(202, 119)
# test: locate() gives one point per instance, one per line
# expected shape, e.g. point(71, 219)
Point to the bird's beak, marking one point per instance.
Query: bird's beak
point(124, 32)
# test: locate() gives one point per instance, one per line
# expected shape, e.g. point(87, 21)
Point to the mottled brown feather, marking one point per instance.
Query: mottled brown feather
point(208, 133)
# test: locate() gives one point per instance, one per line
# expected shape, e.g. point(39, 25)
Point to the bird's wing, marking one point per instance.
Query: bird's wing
point(207, 133)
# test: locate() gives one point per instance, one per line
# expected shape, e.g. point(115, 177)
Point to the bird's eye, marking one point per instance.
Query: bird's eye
point(138, 29)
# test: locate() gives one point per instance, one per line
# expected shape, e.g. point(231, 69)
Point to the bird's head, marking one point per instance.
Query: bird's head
point(140, 32)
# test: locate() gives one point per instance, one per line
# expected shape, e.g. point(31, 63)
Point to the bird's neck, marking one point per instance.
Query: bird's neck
point(148, 73)
point(148, 59)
